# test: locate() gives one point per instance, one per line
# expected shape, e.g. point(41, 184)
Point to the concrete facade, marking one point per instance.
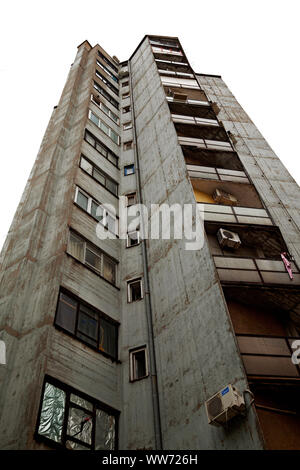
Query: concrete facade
point(183, 319)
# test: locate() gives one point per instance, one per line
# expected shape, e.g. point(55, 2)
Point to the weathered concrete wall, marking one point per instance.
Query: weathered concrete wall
point(196, 349)
point(34, 265)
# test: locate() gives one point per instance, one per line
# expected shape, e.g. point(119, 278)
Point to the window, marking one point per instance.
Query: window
point(99, 175)
point(128, 145)
point(105, 109)
point(72, 420)
point(107, 83)
point(104, 127)
point(97, 210)
point(92, 256)
point(106, 95)
point(135, 291)
point(130, 199)
point(108, 62)
point(87, 324)
point(133, 238)
point(125, 84)
point(107, 71)
point(128, 170)
point(126, 109)
point(125, 95)
point(138, 364)
point(127, 125)
point(101, 148)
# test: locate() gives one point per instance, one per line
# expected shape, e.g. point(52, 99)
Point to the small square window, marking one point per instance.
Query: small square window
point(135, 290)
point(129, 170)
point(125, 84)
point(128, 145)
point(130, 199)
point(138, 364)
point(126, 109)
point(125, 95)
point(127, 125)
point(133, 238)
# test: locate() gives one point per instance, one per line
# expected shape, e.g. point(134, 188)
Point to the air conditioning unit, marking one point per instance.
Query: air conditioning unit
point(224, 405)
point(228, 239)
point(180, 97)
point(221, 197)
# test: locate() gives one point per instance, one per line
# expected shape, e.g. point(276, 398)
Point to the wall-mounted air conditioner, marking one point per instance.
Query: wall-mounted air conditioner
point(228, 239)
point(221, 197)
point(224, 405)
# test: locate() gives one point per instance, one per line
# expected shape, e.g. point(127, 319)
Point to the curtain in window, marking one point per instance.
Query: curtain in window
point(109, 270)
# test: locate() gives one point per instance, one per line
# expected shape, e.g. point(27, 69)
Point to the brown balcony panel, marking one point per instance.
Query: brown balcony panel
point(173, 66)
point(211, 158)
point(185, 109)
point(270, 366)
point(246, 270)
point(202, 132)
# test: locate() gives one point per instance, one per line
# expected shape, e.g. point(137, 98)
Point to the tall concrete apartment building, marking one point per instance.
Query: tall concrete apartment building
point(121, 342)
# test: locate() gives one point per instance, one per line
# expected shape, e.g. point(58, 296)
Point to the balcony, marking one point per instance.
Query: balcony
point(208, 144)
point(212, 158)
point(255, 271)
point(194, 96)
point(221, 174)
point(198, 121)
point(268, 356)
point(171, 65)
point(233, 214)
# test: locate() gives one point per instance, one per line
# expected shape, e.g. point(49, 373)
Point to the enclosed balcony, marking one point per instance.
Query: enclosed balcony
point(181, 94)
point(168, 53)
point(220, 174)
point(268, 356)
point(255, 270)
point(172, 66)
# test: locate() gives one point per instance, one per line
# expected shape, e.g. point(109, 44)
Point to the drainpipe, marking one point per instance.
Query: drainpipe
point(152, 357)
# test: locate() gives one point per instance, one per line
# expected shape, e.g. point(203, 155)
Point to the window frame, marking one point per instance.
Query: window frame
point(69, 390)
point(110, 132)
point(132, 369)
point(100, 315)
point(109, 73)
point(87, 245)
point(107, 82)
point(106, 177)
point(106, 95)
point(89, 209)
point(128, 166)
point(105, 109)
point(129, 294)
point(129, 143)
point(106, 150)
point(128, 238)
point(127, 125)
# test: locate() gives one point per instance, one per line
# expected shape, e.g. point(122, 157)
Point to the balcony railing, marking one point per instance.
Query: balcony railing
point(194, 120)
point(188, 101)
point(206, 172)
point(205, 143)
point(180, 82)
point(255, 271)
point(268, 356)
point(164, 50)
point(230, 214)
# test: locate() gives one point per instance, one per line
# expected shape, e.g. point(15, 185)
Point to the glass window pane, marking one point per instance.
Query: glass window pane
point(111, 223)
point(85, 165)
point(112, 186)
point(104, 127)
point(81, 402)
point(109, 269)
point(101, 149)
point(105, 431)
point(129, 170)
point(90, 139)
point(66, 313)
point(88, 325)
point(114, 136)
point(93, 259)
point(52, 414)
point(80, 425)
point(113, 159)
point(97, 211)
point(82, 200)
point(94, 119)
point(99, 176)
point(139, 364)
point(108, 337)
point(76, 246)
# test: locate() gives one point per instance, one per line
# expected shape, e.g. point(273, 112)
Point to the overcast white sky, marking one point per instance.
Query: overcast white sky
point(253, 44)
